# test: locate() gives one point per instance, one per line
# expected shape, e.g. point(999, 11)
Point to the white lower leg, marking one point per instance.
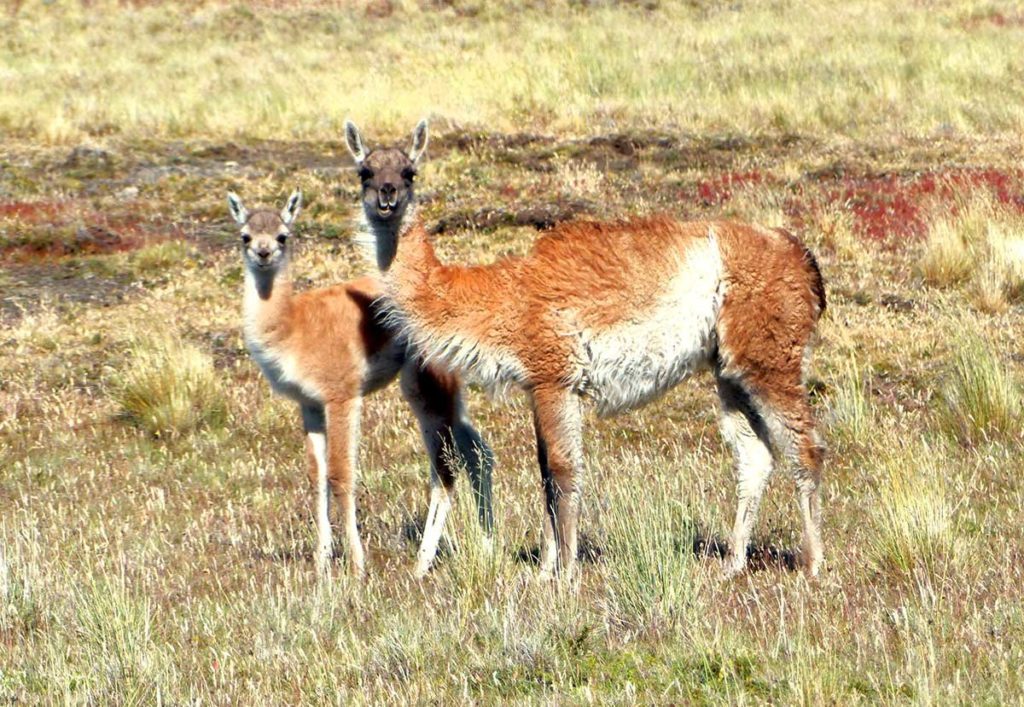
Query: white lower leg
point(810, 512)
point(324, 551)
point(753, 467)
point(549, 549)
point(440, 504)
point(746, 513)
point(356, 558)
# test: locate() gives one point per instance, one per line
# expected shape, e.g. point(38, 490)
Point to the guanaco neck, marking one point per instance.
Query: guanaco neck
point(381, 238)
point(445, 307)
point(267, 305)
point(413, 261)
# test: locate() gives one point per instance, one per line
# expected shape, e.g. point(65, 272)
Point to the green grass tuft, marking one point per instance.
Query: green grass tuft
point(654, 576)
point(982, 400)
point(916, 531)
point(160, 257)
point(169, 388)
point(977, 243)
point(852, 416)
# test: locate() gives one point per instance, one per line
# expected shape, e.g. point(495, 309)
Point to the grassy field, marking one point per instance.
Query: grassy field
point(294, 72)
point(156, 522)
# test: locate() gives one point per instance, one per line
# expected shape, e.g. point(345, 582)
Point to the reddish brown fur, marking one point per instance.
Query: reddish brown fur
point(333, 331)
point(603, 273)
point(621, 312)
point(774, 298)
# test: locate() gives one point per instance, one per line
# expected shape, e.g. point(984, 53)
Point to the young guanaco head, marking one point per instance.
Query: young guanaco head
point(387, 174)
point(265, 233)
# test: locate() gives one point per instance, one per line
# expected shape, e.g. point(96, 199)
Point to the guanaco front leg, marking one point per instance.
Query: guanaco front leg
point(548, 548)
point(313, 421)
point(557, 420)
point(342, 422)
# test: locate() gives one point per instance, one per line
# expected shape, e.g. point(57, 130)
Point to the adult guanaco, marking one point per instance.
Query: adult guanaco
point(328, 348)
point(618, 313)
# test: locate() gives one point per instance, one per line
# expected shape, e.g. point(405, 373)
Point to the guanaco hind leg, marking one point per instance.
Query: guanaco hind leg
point(755, 427)
point(435, 398)
point(746, 433)
point(806, 457)
point(558, 422)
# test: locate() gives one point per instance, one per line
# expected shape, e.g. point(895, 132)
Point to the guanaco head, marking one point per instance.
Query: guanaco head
point(265, 233)
point(387, 174)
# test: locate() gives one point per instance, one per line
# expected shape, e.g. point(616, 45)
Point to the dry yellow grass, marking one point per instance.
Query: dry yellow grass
point(916, 532)
point(169, 388)
point(225, 70)
point(978, 243)
point(981, 400)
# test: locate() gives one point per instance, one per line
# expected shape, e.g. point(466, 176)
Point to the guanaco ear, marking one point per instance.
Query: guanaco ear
point(238, 210)
point(419, 141)
point(354, 141)
point(292, 208)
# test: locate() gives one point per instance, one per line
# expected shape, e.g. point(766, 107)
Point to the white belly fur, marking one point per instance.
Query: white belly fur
point(638, 360)
point(284, 375)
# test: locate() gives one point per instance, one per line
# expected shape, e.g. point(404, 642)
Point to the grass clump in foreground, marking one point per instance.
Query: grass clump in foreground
point(916, 531)
point(654, 575)
point(114, 632)
point(977, 244)
point(852, 416)
point(982, 401)
point(169, 388)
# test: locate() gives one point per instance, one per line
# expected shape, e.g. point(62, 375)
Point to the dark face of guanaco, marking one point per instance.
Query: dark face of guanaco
point(387, 174)
point(265, 233)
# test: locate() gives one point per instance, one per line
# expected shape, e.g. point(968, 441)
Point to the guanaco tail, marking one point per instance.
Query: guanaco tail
point(617, 313)
point(326, 349)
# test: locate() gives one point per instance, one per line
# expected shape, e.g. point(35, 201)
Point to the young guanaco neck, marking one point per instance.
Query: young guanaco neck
point(267, 304)
point(266, 259)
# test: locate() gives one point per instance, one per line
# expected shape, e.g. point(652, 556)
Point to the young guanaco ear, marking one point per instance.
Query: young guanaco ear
point(238, 210)
point(354, 141)
point(419, 141)
point(292, 208)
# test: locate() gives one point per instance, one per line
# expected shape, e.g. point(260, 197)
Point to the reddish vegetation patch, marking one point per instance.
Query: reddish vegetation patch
point(32, 212)
point(717, 190)
point(994, 18)
point(47, 230)
point(891, 206)
point(884, 206)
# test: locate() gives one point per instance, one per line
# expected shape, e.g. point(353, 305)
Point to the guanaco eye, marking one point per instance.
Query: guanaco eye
point(282, 237)
point(408, 174)
point(365, 173)
point(246, 238)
